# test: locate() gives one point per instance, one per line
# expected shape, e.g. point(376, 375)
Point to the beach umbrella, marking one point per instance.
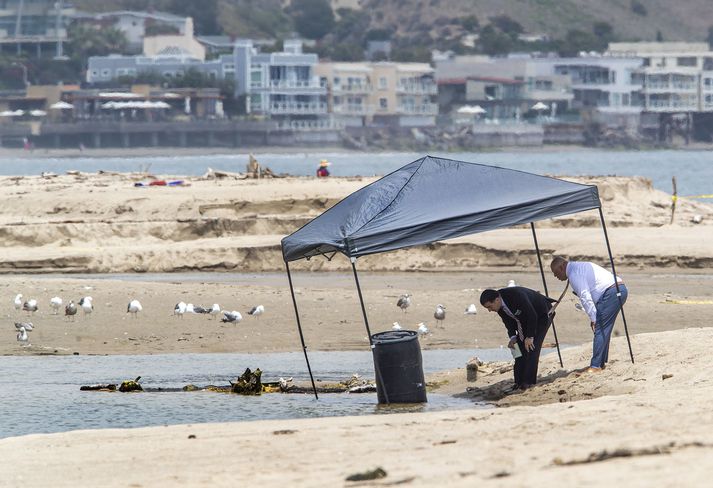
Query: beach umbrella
point(539, 106)
point(38, 113)
point(161, 104)
point(7, 113)
point(109, 105)
point(479, 110)
point(61, 105)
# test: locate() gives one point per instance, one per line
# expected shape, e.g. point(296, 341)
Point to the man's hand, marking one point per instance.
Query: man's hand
point(529, 343)
point(512, 342)
point(593, 325)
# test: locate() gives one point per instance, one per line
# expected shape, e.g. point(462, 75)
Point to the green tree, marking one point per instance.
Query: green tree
point(470, 23)
point(577, 40)
point(313, 18)
point(205, 14)
point(507, 25)
point(86, 41)
point(603, 30)
point(493, 41)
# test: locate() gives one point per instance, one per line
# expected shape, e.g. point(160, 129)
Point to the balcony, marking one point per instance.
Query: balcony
point(425, 109)
point(671, 105)
point(289, 108)
point(291, 86)
point(353, 109)
point(664, 87)
point(417, 88)
point(353, 88)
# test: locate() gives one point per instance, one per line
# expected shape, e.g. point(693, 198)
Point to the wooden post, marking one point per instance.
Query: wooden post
point(674, 198)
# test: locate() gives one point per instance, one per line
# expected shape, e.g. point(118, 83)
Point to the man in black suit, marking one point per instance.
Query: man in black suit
point(525, 315)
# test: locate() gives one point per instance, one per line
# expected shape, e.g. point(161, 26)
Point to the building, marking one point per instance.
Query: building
point(280, 84)
point(34, 26)
point(170, 63)
point(383, 93)
point(506, 87)
point(138, 25)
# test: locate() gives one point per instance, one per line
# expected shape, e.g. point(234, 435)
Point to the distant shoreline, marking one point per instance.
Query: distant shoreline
point(137, 152)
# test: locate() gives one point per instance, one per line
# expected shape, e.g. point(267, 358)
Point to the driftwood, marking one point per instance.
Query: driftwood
point(131, 385)
point(107, 387)
point(248, 383)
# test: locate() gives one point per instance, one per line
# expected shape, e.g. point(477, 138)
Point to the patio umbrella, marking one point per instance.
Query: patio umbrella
point(539, 106)
point(61, 105)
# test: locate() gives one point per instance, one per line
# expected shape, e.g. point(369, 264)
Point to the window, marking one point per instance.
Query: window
point(337, 81)
point(106, 72)
point(383, 84)
point(94, 73)
point(687, 61)
point(625, 99)
point(383, 104)
point(337, 100)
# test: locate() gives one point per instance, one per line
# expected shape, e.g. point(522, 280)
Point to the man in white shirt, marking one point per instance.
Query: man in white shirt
point(597, 292)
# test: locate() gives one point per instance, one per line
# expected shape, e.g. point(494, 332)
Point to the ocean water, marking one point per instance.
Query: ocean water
point(40, 394)
point(693, 169)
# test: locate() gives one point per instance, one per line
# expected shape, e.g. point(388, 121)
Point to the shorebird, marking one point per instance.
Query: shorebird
point(232, 317)
point(56, 304)
point(30, 306)
point(257, 311)
point(134, 308)
point(27, 325)
point(471, 310)
point(86, 304)
point(22, 335)
point(214, 310)
point(396, 326)
point(511, 283)
point(199, 309)
point(70, 310)
point(18, 302)
point(179, 309)
point(422, 329)
point(439, 314)
point(404, 302)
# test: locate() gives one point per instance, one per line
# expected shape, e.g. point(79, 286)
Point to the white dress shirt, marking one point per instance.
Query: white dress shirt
point(589, 281)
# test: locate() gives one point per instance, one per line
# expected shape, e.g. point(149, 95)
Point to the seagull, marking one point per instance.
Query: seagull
point(22, 335)
point(180, 309)
point(471, 310)
point(257, 311)
point(30, 306)
point(86, 304)
point(404, 302)
point(134, 308)
point(422, 329)
point(27, 325)
point(214, 310)
point(396, 326)
point(511, 283)
point(232, 317)
point(199, 309)
point(55, 303)
point(18, 302)
point(70, 310)
point(440, 313)
point(190, 308)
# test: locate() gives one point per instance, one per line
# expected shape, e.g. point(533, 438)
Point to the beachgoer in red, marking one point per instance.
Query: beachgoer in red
point(322, 171)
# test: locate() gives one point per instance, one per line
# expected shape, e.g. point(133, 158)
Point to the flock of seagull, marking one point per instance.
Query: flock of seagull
point(133, 308)
point(404, 302)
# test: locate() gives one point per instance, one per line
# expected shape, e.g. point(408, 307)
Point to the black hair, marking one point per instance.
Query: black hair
point(488, 296)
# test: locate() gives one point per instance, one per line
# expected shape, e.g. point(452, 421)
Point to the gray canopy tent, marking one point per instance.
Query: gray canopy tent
point(433, 199)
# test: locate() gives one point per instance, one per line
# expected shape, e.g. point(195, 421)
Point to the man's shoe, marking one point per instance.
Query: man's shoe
point(592, 369)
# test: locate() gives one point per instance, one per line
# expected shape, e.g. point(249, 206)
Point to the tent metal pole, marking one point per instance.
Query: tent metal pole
point(368, 331)
point(299, 327)
point(547, 293)
point(616, 283)
point(361, 300)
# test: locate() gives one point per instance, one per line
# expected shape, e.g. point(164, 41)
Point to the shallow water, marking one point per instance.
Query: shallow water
point(693, 169)
point(40, 394)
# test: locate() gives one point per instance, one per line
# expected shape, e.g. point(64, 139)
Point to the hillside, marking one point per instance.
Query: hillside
point(681, 20)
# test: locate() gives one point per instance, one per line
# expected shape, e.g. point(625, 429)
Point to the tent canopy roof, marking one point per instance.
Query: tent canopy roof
point(432, 199)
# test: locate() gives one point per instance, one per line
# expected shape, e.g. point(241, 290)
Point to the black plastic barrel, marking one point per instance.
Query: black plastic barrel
point(398, 367)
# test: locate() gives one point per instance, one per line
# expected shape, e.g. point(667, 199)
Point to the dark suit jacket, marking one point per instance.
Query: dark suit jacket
point(529, 306)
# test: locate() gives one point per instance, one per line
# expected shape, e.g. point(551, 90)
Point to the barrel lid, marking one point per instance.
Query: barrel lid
point(393, 336)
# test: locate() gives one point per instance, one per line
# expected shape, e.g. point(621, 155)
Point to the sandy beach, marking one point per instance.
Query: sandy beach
point(62, 235)
point(644, 424)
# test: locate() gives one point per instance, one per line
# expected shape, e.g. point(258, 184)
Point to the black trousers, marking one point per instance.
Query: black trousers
point(525, 370)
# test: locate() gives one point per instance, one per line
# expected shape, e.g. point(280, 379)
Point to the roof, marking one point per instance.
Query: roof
point(433, 199)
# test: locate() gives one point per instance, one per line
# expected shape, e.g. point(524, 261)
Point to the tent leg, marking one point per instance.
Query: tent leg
point(299, 327)
point(547, 293)
point(368, 331)
point(616, 282)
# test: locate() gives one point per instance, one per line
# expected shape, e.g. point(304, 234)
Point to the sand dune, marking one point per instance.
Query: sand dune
point(102, 223)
